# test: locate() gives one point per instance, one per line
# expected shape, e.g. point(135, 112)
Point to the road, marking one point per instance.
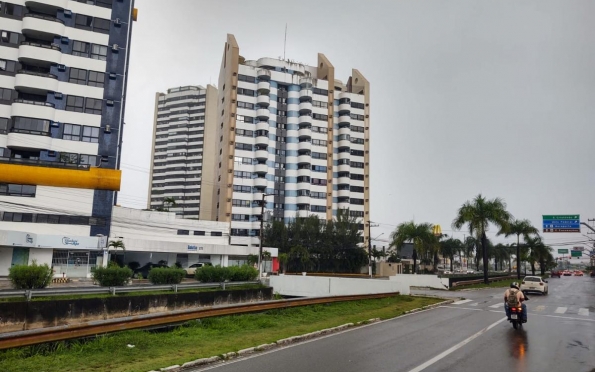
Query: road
point(469, 335)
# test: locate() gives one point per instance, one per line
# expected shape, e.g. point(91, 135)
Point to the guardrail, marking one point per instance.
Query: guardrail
point(39, 336)
point(48, 292)
point(479, 281)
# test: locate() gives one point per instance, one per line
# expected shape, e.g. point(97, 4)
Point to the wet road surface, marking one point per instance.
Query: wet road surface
point(469, 335)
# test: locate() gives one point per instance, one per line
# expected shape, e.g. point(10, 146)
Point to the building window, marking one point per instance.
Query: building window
point(99, 52)
point(322, 92)
point(30, 125)
point(246, 92)
point(319, 117)
point(11, 9)
point(7, 65)
point(104, 3)
point(72, 132)
point(90, 160)
point(245, 105)
point(80, 48)
point(9, 37)
point(93, 106)
point(317, 208)
point(11, 189)
point(74, 103)
point(96, 79)
point(101, 25)
point(183, 232)
point(77, 76)
point(216, 233)
point(83, 21)
point(199, 233)
point(3, 129)
point(357, 105)
point(250, 79)
point(90, 134)
point(5, 94)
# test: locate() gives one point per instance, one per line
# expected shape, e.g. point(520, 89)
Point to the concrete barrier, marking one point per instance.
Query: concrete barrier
point(413, 280)
point(310, 286)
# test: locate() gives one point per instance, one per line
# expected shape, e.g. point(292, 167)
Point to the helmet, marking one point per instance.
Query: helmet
point(514, 285)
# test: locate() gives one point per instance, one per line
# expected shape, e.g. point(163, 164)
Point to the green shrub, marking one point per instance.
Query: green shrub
point(217, 274)
point(112, 276)
point(166, 275)
point(32, 276)
point(133, 265)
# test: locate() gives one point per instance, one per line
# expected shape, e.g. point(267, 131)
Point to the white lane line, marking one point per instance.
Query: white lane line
point(495, 306)
point(567, 317)
point(455, 348)
point(539, 308)
point(461, 302)
point(474, 304)
point(561, 310)
point(583, 311)
point(460, 308)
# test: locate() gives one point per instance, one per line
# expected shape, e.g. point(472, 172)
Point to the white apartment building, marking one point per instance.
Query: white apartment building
point(293, 132)
point(183, 150)
point(63, 74)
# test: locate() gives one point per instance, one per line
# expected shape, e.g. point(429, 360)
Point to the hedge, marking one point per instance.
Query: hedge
point(112, 276)
point(32, 276)
point(217, 274)
point(166, 275)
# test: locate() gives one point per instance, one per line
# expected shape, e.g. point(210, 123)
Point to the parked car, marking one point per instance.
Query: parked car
point(534, 284)
point(578, 273)
point(555, 273)
point(191, 270)
point(567, 273)
point(143, 272)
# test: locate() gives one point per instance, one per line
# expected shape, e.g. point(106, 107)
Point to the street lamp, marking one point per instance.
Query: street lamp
point(261, 235)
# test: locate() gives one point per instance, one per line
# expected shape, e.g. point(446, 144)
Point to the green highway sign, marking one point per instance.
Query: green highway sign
point(576, 254)
point(562, 251)
point(561, 216)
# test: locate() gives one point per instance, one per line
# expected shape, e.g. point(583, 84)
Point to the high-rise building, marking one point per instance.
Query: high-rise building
point(184, 150)
point(63, 74)
point(292, 131)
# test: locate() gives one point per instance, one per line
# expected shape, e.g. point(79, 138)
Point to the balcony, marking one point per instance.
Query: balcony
point(343, 204)
point(264, 74)
point(24, 140)
point(343, 180)
point(263, 101)
point(304, 172)
point(344, 155)
point(46, 5)
point(344, 168)
point(306, 94)
point(261, 168)
point(33, 109)
point(42, 27)
point(344, 120)
point(263, 114)
point(305, 133)
point(306, 82)
point(343, 193)
point(39, 55)
point(262, 140)
point(260, 182)
point(261, 154)
point(262, 125)
point(305, 119)
point(263, 87)
point(303, 200)
point(304, 159)
point(344, 144)
point(305, 107)
point(344, 109)
point(344, 131)
point(304, 146)
point(35, 82)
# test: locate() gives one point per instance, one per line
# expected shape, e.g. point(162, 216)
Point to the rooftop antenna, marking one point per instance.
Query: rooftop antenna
point(285, 41)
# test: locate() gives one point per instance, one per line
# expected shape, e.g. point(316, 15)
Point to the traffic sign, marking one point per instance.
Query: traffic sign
point(582, 249)
point(563, 251)
point(576, 254)
point(561, 223)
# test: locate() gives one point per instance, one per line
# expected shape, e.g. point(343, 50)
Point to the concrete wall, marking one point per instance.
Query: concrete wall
point(316, 286)
point(412, 280)
point(388, 268)
point(5, 260)
point(42, 256)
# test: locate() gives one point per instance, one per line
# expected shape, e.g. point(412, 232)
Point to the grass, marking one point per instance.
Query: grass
point(131, 294)
point(198, 339)
point(499, 284)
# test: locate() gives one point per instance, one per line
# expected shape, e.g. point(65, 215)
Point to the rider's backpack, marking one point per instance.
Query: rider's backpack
point(512, 299)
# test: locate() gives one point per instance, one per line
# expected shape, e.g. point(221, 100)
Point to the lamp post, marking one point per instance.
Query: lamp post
point(261, 235)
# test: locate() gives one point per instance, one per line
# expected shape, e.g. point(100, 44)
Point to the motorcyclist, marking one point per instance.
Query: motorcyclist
point(520, 297)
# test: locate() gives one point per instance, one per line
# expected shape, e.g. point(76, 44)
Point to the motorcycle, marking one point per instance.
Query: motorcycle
point(516, 316)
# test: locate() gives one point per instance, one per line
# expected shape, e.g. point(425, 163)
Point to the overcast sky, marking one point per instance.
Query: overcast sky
point(467, 97)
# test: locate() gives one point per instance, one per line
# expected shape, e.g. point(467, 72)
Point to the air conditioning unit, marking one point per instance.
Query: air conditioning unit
point(109, 102)
point(115, 48)
point(61, 67)
point(67, 13)
point(117, 22)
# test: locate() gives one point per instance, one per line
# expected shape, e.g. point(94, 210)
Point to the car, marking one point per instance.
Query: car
point(447, 272)
point(534, 284)
point(191, 270)
point(143, 272)
point(567, 273)
point(578, 273)
point(593, 274)
point(470, 271)
point(555, 273)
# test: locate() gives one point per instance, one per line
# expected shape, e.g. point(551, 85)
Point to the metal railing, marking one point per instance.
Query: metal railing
point(37, 103)
point(44, 163)
point(49, 292)
point(52, 46)
point(44, 17)
point(40, 74)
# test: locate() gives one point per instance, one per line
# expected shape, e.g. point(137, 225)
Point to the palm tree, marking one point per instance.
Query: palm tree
point(470, 246)
point(477, 215)
point(518, 228)
point(449, 248)
point(419, 234)
point(117, 244)
point(169, 202)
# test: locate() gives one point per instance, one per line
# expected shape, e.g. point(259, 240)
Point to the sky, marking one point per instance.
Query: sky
point(467, 97)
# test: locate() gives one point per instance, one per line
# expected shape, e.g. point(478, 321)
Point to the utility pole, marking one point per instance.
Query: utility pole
point(370, 248)
point(261, 236)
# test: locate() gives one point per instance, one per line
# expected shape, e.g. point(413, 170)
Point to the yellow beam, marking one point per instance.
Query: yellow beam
point(94, 178)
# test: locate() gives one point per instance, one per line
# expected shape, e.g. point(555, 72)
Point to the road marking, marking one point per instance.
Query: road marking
point(583, 311)
point(568, 317)
point(455, 348)
point(561, 310)
point(539, 308)
point(460, 308)
point(474, 304)
point(495, 306)
point(461, 302)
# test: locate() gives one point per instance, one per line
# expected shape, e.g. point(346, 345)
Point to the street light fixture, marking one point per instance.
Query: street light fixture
point(261, 235)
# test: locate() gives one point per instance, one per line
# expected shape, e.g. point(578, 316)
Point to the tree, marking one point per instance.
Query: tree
point(419, 234)
point(117, 244)
point(539, 252)
point(283, 259)
point(449, 248)
point(478, 214)
point(518, 228)
point(169, 202)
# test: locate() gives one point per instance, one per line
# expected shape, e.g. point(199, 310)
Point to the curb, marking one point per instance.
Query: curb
point(289, 340)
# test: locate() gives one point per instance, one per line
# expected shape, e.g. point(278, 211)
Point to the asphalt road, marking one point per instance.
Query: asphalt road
point(469, 335)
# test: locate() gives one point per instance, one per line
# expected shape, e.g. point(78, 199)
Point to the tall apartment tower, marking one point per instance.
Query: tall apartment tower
point(63, 74)
point(292, 131)
point(184, 149)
